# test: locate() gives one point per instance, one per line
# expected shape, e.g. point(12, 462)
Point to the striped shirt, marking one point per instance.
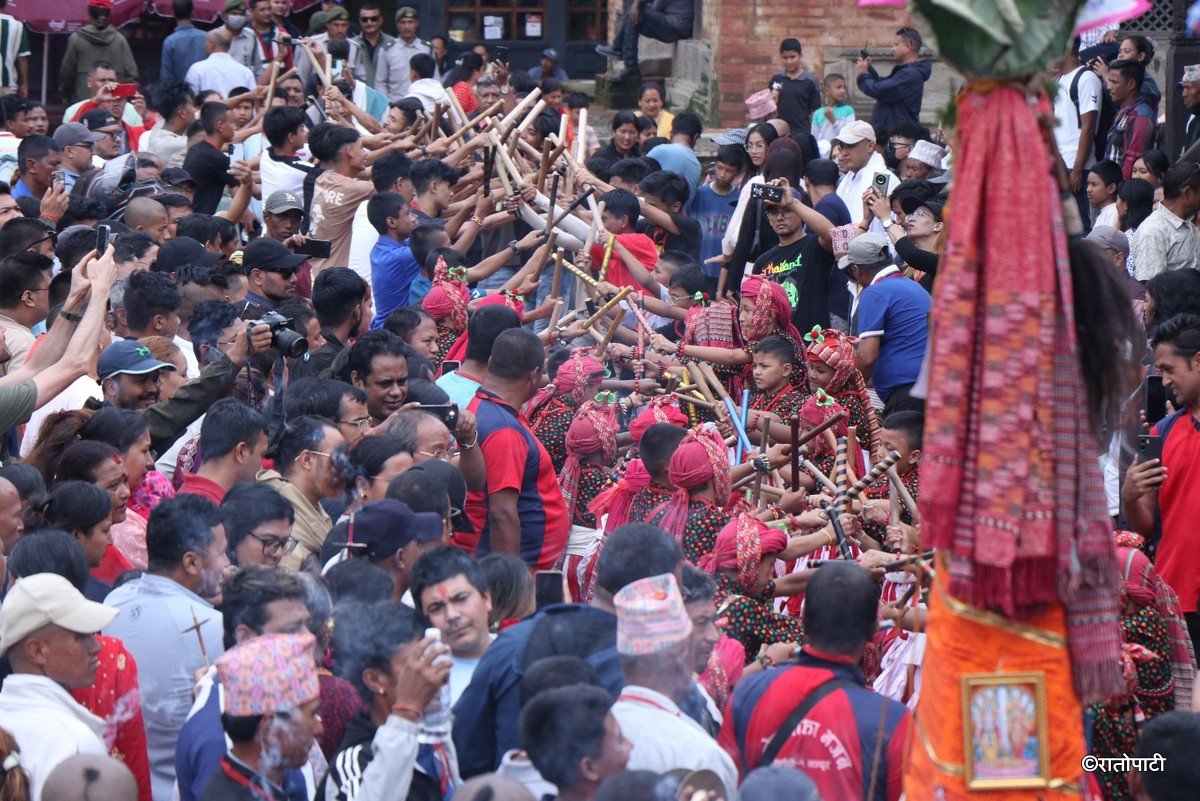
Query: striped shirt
point(14, 44)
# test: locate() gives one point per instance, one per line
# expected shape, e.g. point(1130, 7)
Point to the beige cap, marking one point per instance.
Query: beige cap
point(44, 598)
point(855, 132)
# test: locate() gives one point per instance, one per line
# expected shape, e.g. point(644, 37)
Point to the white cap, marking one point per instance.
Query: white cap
point(855, 132)
point(44, 598)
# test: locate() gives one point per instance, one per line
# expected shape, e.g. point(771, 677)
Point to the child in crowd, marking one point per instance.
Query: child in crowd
point(1102, 183)
point(591, 455)
point(713, 204)
point(664, 195)
point(832, 367)
point(447, 300)
point(829, 120)
point(575, 102)
point(774, 391)
point(577, 378)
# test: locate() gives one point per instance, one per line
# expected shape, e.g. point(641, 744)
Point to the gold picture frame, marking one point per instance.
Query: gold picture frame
point(1005, 731)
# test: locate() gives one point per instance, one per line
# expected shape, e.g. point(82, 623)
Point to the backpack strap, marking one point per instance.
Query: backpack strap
point(784, 733)
point(1075, 95)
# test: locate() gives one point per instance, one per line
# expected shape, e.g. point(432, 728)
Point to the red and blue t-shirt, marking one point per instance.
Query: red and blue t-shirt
point(1178, 559)
point(516, 460)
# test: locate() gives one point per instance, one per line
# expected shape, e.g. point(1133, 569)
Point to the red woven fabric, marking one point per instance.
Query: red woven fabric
point(594, 430)
point(1020, 503)
point(658, 410)
point(458, 351)
point(741, 545)
point(701, 457)
point(574, 375)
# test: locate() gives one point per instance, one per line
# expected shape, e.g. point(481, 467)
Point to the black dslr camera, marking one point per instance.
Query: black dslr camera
point(283, 338)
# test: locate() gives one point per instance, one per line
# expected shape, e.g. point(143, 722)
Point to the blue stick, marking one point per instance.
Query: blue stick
point(743, 440)
point(745, 416)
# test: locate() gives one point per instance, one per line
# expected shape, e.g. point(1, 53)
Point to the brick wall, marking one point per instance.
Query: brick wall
point(745, 37)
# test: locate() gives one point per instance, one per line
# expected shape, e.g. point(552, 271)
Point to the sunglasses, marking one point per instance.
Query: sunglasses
point(369, 19)
point(284, 272)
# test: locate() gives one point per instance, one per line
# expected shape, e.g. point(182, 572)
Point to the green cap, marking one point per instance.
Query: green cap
point(337, 12)
point(317, 22)
point(406, 12)
point(235, 5)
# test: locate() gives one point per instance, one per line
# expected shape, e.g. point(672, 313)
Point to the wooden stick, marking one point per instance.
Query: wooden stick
point(693, 369)
point(712, 378)
point(591, 237)
point(196, 624)
point(457, 106)
point(290, 73)
point(818, 430)
point(552, 206)
point(469, 124)
point(580, 274)
point(554, 312)
point(529, 118)
point(568, 318)
point(877, 470)
point(608, 335)
point(851, 449)
point(329, 69)
point(579, 201)
point(694, 401)
point(435, 129)
point(271, 81)
point(905, 496)
point(795, 431)
point(558, 268)
point(604, 309)
point(539, 180)
point(608, 251)
point(893, 505)
point(840, 475)
point(906, 561)
point(509, 120)
point(581, 136)
point(318, 64)
point(819, 476)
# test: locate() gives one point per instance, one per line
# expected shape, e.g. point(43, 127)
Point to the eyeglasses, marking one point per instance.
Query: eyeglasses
point(896, 144)
point(444, 455)
point(321, 453)
point(273, 546)
point(52, 236)
point(756, 146)
point(114, 135)
point(918, 213)
point(369, 19)
point(362, 423)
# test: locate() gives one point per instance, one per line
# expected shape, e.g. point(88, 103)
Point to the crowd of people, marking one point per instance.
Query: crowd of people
point(442, 446)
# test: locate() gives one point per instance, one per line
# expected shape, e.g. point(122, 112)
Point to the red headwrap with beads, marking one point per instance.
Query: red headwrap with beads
point(449, 297)
point(741, 545)
point(570, 382)
point(658, 410)
point(701, 457)
point(770, 305)
point(594, 430)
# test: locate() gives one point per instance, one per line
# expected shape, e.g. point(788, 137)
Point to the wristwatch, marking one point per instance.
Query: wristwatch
point(888, 224)
point(504, 89)
point(513, 247)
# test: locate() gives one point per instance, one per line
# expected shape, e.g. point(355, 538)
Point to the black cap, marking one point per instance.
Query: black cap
point(265, 253)
point(176, 176)
point(98, 118)
point(130, 357)
point(182, 250)
point(934, 204)
point(381, 528)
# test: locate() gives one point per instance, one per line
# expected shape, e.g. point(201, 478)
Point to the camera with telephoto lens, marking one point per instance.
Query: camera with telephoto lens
point(283, 338)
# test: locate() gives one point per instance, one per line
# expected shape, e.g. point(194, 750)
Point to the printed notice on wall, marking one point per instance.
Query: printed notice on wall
point(493, 27)
point(533, 26)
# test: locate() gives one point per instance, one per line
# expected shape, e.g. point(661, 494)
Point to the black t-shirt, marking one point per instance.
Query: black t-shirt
point(209, 168)
point(803, 268)
point(687, 241)
point(797, 98)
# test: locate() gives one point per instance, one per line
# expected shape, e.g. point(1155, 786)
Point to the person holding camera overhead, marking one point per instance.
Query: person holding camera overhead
point(864, 169)
point(803, 260)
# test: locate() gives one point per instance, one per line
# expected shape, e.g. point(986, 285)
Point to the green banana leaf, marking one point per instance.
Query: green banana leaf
point(1000, 38)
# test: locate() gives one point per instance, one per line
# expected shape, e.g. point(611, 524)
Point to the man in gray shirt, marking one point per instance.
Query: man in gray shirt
point(664, 20)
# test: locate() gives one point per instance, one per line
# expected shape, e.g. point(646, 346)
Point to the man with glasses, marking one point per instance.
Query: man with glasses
point(375, 58)
point(862, 163)
point(273, 273)
point(112, 135)
point(305, 475)
point(78, 145)
point(24, 301)
point(233, 439)
point(802, 262)
point(428, 439)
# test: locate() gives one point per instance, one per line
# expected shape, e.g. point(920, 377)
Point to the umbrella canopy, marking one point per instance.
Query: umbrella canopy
point(209, 10)
point(69, 15)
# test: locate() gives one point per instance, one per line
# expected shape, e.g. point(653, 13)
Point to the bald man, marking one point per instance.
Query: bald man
point(219, 71)
point(87, 777)
point(150, 217)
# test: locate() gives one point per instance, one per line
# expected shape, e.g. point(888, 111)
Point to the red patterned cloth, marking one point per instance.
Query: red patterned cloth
point(593, 431)
point(448, 298)
point(458, 351)
point(701, 457)
point(836, 349)
point(1144, 587)
point(741, 545)
point(570, 383)
point(658, 410)
point(1020, 502)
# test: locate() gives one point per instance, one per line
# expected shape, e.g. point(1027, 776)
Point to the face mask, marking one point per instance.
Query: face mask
point(235, 22)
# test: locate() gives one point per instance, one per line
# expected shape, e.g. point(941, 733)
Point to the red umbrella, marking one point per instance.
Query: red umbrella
point(209, 10)
point(68, 16)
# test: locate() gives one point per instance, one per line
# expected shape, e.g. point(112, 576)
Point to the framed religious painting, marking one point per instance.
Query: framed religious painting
point(1005, 731)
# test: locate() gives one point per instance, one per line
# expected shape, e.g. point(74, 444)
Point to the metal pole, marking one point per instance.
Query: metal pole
point(45, 64)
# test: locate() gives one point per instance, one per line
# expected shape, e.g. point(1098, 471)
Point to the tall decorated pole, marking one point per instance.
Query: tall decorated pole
point(1023, 625)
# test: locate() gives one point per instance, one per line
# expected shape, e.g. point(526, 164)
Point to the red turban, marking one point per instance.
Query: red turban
point(701, 457)
point(658, 410)
point(448, 298)
point(573, 377)
point(616, 502)
point(741, 545)
point(594, 430)
point(770, 305)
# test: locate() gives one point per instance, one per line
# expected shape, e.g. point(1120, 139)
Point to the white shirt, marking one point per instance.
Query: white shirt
point(280, 176)
point(665, 739)
point(1107, 216)
point(189, 357)
point(73, 397)
point(1066, 131)
point(429, 92)
point(853, 184)
point(363, 237)
point(220, 73)
point(48, 724)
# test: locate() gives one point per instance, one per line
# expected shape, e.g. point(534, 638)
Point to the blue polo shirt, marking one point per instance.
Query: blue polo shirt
point(895, 309)
point(393, 269)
